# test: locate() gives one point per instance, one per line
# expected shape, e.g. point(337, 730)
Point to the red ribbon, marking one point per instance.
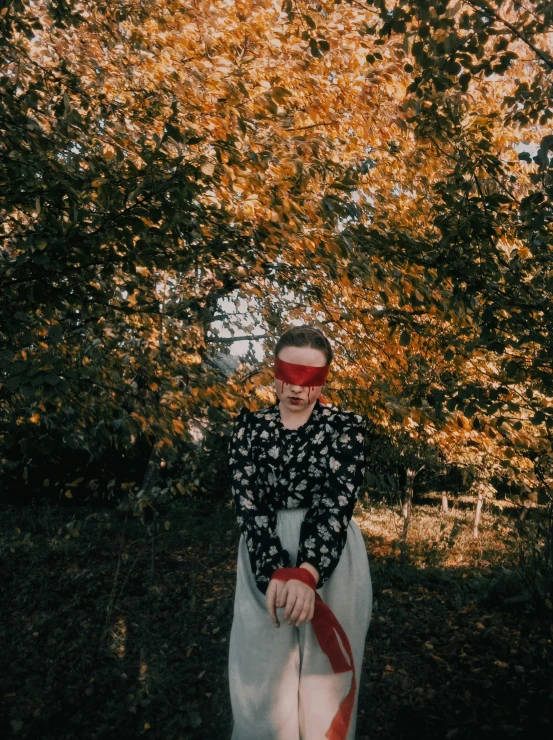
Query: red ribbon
point(326, 626)
point(303, 375)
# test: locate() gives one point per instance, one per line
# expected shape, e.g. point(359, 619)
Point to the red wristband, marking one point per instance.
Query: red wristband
point(298, 574)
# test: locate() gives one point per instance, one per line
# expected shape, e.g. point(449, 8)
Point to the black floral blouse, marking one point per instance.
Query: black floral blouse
point(319, 466)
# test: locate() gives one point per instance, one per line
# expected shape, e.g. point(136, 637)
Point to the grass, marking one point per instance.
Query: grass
point(94, 650)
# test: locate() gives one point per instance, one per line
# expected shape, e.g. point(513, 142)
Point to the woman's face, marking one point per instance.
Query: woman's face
point(299, 397)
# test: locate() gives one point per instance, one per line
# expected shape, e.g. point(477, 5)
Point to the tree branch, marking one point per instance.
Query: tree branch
point(230, 340)
point(486, 10)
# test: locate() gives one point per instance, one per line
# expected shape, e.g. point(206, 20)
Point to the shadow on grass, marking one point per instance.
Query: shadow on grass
point(446, 657)
point(95, 651)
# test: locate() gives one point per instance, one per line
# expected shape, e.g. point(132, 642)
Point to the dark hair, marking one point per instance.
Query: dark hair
point(305, 336)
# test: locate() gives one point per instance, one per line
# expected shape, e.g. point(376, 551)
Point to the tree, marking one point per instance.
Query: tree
point(365, 166)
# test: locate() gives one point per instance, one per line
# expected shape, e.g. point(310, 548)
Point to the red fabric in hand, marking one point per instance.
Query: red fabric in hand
point(326, 626)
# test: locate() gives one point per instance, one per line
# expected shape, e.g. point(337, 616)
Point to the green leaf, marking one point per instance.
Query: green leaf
point(464, 80)
point(194, 719)
point(55, 333)
point(52, 379)
point(215, 414)
point(173, 132)
point(511, 369)
point(13, 382)
point(451, 404)
point(314, 48)
point(370, 480)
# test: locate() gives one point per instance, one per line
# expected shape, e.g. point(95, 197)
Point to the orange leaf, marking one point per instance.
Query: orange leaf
point(178, 426)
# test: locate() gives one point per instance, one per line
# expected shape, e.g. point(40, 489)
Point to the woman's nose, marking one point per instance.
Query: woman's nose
point(296, 388)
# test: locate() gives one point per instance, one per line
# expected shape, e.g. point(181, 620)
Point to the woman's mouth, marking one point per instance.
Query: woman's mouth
point(295, 400)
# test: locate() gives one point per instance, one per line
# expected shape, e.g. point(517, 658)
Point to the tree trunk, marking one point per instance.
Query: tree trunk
point(407, 507)
point(153, 559)
point(523, 513)
point(477, 514)
point(150, 512)
point(445, 505)
point(152, 471)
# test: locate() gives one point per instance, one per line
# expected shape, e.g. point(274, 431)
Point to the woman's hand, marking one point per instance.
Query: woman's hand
point(276, 595)
point(298, 597)
point(300, 603)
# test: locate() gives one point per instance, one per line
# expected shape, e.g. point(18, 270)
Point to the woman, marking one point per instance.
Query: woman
point(296, 470)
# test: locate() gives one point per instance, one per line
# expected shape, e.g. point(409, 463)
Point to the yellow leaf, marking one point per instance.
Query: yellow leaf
point(178, 426)
point(108, 152)
point(35, 418)
point(208, 169)
point(140, 419)
point(68, 494)
point(167, 525)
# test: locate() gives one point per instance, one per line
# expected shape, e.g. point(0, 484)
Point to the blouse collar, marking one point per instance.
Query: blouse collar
point(307, 425)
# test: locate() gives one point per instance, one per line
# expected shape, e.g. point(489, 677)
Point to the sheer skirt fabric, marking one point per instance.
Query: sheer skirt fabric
point(281, 683)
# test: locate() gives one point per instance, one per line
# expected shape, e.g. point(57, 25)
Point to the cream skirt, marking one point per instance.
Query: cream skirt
point(281, 683)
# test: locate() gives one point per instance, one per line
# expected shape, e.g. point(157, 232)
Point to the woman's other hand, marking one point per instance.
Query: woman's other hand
point(300, 603)
point(276, 595)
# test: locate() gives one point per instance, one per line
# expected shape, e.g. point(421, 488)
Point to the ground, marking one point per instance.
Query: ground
point(94, 649)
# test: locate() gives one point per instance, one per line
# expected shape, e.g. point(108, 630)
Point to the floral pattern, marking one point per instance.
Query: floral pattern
point(319, 466)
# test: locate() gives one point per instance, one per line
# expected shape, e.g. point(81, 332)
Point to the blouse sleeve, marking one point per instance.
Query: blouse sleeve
point(325, 526)
point(255, 515)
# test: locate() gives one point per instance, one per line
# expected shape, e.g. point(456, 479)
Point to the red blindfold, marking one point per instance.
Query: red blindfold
point(303, 375)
